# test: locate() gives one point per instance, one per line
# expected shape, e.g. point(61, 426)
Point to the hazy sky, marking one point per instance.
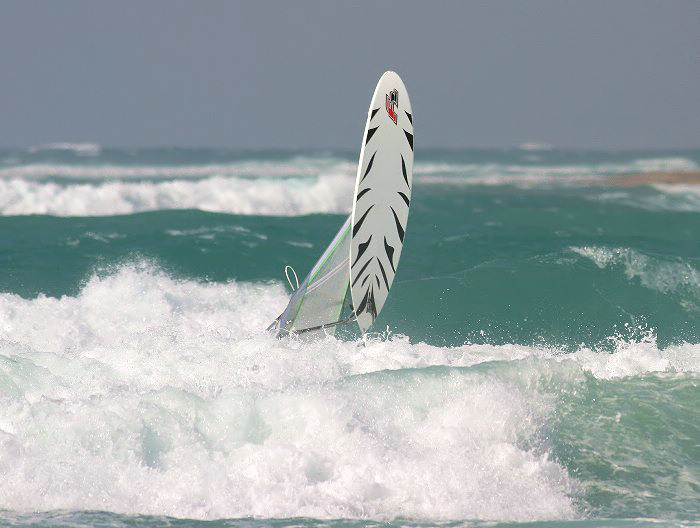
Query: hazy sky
point(587, 74)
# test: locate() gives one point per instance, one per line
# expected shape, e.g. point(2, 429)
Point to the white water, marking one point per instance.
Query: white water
point(145, 394)
point(654, 273)
point(476, 173)
point(284, 197)
point(682, 198)
point(293, 187)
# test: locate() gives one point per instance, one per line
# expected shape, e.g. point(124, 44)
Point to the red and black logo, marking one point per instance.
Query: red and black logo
point(392, 103)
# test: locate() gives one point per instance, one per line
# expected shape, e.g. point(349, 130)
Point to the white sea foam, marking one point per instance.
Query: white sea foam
point(676, 198)
point(289, 187)
point(283, 197)
point(654, 273)
point(252, 169)
point(660, 197)
point(146, 394)
point(489, 173)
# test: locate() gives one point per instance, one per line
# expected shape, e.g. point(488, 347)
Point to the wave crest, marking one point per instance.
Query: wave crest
point(149, 394)
point(281, 197)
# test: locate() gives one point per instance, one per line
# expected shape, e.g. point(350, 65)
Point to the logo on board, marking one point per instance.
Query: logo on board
point(392, 103)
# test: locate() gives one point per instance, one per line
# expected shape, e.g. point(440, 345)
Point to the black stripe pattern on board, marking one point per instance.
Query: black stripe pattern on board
point(371, 132)
point(409, 116)
point(381, 268)
point(390, 254)
point(403, 170)
point(368, 305)
point(399, 227)
point(369, 167)
point(362, 193)
point(362, 270)
point(361, 248)
point(374, 112)
point(359, 223)
point(409, 137)
point(405, 198)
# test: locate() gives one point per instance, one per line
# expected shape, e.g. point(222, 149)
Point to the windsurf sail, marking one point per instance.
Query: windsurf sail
point(318, 303)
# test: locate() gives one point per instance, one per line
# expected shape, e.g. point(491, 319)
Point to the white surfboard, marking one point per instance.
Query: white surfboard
point(382, 198)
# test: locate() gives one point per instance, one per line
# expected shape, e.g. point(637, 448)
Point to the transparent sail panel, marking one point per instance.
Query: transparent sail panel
point(319, 300)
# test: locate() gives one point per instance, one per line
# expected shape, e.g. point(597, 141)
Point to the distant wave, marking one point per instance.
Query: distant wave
point(653, 273)
point(525, 175)
point(296, 186)
point(658, 197)
point(487, 173)
point(287, 197)
point(535, 146)
point(677, 198)
point(81, 149)
point(253, 169)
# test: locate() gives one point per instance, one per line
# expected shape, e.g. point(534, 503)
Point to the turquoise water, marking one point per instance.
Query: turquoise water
point(537, 362)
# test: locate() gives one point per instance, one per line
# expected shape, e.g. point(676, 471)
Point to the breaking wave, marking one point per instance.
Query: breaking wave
point(296, 186)
point(532, 174)
point(149, 394)
point(280, 197)
point(654, 273)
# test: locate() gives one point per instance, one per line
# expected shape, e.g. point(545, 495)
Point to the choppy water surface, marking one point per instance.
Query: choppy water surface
point(538, 360)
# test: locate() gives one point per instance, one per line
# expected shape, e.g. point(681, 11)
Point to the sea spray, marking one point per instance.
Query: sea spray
point(154, 395)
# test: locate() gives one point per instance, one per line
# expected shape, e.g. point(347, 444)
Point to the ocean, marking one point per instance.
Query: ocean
point(537, 362)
